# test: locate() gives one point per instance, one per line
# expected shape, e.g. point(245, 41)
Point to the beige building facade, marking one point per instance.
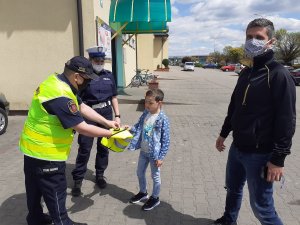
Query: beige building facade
point(152, 49)
point(38, 37)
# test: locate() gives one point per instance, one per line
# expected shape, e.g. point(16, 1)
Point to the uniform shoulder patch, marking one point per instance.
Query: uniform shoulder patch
point(72, 106)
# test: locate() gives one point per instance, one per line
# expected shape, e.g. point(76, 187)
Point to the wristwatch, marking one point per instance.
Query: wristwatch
point(118, 116)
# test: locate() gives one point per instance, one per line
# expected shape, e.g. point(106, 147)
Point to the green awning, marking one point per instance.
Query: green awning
point(140, 16)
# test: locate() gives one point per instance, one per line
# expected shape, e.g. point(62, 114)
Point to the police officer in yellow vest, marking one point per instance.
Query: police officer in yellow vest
point(55, 112)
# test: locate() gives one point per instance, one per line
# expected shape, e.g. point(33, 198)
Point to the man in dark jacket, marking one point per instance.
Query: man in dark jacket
point(262, 117)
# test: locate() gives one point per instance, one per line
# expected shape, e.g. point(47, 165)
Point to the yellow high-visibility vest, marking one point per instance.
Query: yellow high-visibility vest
point(43, 136)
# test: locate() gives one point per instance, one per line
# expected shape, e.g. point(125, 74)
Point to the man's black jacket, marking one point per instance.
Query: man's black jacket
point(262, 112)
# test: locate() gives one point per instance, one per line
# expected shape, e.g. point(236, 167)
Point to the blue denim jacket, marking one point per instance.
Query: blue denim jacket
point(160, 137)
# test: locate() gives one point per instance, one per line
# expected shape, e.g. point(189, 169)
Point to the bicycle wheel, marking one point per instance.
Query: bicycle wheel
point(136, 81)
point(150, 77)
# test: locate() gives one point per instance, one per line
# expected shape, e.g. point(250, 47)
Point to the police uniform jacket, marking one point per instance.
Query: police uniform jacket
point(101, 90)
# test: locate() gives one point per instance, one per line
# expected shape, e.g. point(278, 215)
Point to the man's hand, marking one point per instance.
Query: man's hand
point(220, 144)
point(112, 124)
point(158, 163)
point(274, 172)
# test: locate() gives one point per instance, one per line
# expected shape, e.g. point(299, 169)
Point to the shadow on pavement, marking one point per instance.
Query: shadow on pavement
point(296, 202)
point(121, 91)
point(164, 214)
point(14, 210)
point(116, 192)
point(85, 200)
point(141, 103)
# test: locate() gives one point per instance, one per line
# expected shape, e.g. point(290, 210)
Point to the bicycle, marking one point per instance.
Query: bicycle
point(141, 78)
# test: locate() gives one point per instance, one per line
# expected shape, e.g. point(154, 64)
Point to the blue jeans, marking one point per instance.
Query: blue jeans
point(144, 160)
point(242, 167)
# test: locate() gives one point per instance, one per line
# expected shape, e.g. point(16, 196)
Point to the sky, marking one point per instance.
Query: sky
point(199, 27)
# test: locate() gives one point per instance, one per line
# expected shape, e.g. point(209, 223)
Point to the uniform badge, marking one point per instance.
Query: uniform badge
point(72, 107)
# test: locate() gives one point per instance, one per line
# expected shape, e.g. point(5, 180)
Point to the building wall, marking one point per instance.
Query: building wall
point(38, 37)
point(160, 51)
point(34, 43)
point(151, 51)
point(145, 51)
point(92, 10)
point(129, 63)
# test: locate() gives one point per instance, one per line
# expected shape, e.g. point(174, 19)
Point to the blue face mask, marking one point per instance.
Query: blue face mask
point(254, 47)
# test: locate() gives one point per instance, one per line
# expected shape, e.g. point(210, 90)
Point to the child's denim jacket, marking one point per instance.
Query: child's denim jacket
point(160, 137)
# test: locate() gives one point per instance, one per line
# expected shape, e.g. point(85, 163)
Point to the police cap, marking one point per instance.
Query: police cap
point(96, 52)
point(82, 65)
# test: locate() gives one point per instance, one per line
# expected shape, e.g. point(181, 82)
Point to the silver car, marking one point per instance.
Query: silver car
point(4, 110)
point(189, 66)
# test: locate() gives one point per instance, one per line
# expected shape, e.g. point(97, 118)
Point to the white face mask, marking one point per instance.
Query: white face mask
point(255, 47)
point(98, 68)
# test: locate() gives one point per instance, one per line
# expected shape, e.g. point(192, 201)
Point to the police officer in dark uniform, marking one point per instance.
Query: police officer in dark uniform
point(46, 139)
point(101, 95)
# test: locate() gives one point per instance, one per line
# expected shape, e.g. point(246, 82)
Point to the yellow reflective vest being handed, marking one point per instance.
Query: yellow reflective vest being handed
point(43, 136)
point(118, 141)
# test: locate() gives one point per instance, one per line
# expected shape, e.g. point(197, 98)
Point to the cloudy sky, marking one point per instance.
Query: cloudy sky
point(200, 26)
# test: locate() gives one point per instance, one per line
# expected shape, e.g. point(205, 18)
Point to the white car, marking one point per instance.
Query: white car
point(189, 66)
point(238, 68)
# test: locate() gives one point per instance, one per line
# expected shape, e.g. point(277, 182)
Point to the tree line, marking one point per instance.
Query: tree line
point(287, 49)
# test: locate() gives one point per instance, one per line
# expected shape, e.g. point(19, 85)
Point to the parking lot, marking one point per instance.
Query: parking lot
point(192, 174)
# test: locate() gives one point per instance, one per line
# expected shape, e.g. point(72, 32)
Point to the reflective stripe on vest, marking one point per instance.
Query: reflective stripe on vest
point(43, 136)
point(39, 151)
point(46, 139)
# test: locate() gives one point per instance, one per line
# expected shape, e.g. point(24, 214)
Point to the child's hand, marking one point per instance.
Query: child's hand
point(158, 163)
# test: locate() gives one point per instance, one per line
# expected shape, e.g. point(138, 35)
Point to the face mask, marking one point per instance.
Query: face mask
point(255, 47)
point(98, 68)
point(83, 85)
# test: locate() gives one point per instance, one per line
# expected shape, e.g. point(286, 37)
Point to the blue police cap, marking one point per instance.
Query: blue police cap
point(82, 65)
point(96, 52)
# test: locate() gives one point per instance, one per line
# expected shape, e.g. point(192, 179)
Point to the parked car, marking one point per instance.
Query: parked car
point(4, 110)
point(210, 65)
point(290, 68)
point(296, 75)
point(230, 67)
point(238, 68)
point(189, 66)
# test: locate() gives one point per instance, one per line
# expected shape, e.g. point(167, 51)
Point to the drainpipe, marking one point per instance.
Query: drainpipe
point(136, 52)
point(80, 27)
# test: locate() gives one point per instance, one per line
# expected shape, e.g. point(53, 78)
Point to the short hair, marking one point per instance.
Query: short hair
point(263, 22)
point(68, 72)
point(157, 93)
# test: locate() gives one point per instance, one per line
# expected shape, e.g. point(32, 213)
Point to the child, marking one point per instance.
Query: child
point(152, 136)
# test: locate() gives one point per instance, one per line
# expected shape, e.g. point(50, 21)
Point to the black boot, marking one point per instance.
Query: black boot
point(76, 190)
point(100, 181)
point(46, 219)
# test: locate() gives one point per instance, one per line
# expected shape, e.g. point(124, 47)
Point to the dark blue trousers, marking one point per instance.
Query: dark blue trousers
point(46, 179)
point(85, 147)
